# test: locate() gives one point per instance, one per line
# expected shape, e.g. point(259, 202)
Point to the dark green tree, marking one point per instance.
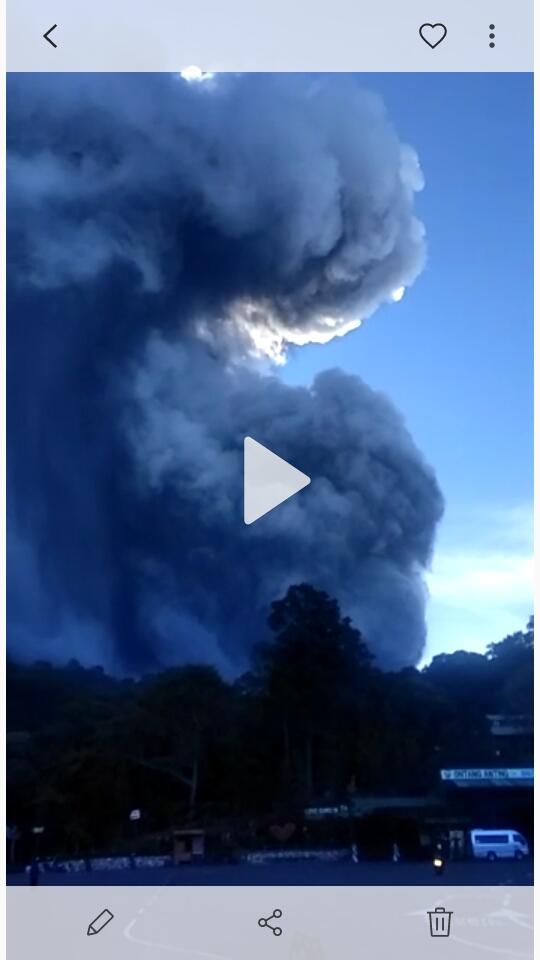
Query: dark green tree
point(512, 667)
point(313, 672)
point(183, 712)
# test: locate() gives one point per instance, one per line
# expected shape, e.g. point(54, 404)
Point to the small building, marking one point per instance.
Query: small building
point(491, 797)
point(188, 845)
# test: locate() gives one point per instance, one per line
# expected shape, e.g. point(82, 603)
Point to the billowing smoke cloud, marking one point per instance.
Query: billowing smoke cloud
point(160, 234)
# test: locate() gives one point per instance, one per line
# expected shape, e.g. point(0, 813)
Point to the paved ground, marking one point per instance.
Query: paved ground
point(309, 874)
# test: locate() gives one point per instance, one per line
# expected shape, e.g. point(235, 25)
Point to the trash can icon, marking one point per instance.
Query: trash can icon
point(439, 922)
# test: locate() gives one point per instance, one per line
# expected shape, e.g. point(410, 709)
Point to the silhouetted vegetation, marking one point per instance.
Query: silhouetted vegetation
point(314, 718)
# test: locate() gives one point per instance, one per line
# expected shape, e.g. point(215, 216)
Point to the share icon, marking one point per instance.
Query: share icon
point(265, 922)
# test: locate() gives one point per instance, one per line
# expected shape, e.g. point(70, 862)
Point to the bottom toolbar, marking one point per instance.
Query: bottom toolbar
point(238, 923)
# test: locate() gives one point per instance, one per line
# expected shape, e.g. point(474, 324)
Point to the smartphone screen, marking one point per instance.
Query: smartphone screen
point(269, 480)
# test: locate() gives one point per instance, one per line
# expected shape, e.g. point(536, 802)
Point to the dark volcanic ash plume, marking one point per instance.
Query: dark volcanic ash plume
point(161, 236)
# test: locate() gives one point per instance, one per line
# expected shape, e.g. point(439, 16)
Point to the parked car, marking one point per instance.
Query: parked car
point(498, 844)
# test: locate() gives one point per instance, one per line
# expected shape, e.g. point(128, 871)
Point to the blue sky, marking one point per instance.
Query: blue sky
point(456, 354)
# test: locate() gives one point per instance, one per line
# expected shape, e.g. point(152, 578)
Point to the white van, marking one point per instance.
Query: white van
point(498, 844)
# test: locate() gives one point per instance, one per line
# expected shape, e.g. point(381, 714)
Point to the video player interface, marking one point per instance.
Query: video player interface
point(269, 433)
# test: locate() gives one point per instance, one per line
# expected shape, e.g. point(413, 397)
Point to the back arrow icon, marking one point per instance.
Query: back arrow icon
point(47, 37)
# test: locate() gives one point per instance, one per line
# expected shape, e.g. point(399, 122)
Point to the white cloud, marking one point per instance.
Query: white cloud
point(481, 584)
point(195, 74)
point(466, 579)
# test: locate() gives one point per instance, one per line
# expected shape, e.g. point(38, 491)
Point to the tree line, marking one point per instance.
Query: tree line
point(313, 719)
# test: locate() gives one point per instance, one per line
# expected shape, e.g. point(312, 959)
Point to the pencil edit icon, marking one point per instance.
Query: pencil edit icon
point(99, 922)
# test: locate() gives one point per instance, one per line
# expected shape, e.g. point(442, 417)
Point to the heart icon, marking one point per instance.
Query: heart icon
point(432, 33)
point(282, 832)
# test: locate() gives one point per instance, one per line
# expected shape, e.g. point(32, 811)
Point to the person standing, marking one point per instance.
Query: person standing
point(34, 872)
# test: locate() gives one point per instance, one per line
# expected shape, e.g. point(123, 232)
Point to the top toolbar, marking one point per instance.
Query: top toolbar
point(270, 35)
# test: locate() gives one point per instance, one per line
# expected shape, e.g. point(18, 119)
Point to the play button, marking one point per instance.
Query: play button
point(268, 480)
